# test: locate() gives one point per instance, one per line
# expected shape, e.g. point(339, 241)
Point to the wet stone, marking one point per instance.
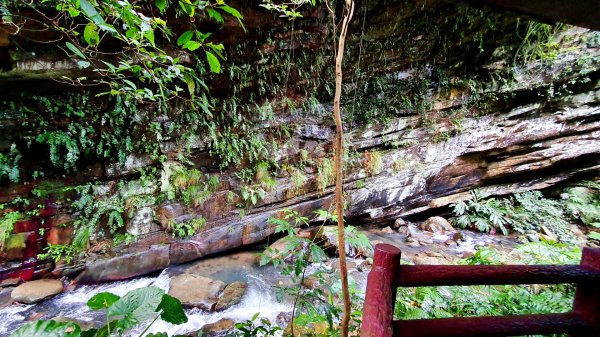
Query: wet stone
point(36, 291)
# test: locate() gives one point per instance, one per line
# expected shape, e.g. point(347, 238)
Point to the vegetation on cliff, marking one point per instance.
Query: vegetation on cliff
point(192, 117)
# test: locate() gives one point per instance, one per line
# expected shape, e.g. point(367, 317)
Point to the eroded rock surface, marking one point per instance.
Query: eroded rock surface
point(196, 291)
point(36, 291)
point(232, 295)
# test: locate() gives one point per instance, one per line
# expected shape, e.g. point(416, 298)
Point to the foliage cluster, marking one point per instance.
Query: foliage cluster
point(191, 186)
point(317, 304)
point(187, 228)
point(9, 164)
point(7, 223)
point(583, 204)
point(452, 301)
point(521, 212)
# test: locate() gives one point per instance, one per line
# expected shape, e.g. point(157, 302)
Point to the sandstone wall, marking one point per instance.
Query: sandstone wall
point(437, 104)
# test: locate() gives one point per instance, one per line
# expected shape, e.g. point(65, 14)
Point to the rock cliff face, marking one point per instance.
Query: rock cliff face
point(440, 99)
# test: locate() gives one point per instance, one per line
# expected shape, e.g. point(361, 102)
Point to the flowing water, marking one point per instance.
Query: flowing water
point(261, 296)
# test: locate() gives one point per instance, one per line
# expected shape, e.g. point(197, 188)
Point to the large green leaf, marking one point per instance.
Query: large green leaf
point(161, 4)
point(213, 14)
point(102, 301)
point(172, 311)
point(90, 34)
point(213, 61)
point(135, 307)
point(48, 329)
point(185, 37)
point(91, 11)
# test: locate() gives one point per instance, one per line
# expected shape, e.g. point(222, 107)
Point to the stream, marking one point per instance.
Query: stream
point(261, 296)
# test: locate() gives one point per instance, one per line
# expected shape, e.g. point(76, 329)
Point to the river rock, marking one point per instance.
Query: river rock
point(388, 230)
point(399, 223)
point(311, 282)
point(277, 248)
point(548, 234)
point(404, 230)
point(458, 236)
point(437, 225)
point(451, 243)
point(11, 282)
point(126, 266)
point(217, 329)
point(196, 291)
point(232, 295)
point(5, 298)
point(84, 325)
point(36, 291)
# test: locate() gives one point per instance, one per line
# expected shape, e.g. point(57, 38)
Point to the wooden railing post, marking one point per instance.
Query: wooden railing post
point(378, 309)
point(587, 295)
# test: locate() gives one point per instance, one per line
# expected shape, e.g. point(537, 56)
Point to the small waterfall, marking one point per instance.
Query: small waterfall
point(260, 298)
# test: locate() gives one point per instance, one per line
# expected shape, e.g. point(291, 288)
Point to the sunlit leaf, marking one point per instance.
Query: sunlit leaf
point(90, 34)
point(215, 65)
point(161, 5)
point(102, 300)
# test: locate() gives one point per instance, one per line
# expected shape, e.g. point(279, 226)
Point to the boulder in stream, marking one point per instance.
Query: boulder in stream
point(437, 225)
point(232, 295)
point(196, 291)
point(217, 329)
point(36, 291)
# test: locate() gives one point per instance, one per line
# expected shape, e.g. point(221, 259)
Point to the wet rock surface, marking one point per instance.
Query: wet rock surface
point(218, 329)
point(232, 295)
point(126, 266)
point(36, 291)
point(196, 291)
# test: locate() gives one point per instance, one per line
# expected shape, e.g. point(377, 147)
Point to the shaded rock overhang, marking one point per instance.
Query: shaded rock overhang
point(584, 13)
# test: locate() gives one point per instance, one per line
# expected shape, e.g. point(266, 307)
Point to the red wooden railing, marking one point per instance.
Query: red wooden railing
point(387, 274)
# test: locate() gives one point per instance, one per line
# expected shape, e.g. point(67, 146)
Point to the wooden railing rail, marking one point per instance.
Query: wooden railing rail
point(387, 274)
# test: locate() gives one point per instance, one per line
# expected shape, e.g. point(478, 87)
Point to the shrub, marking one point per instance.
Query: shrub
point(583, 204)
point(521, 212)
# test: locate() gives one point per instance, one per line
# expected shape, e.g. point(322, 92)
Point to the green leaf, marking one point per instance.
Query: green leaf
point(213, 61)
point(213, 14)
point(150, 36)
point(48, 329)
point(90, 34)
point(191, 45)
point(231, 11)
point(75, 50)
point(187, 8)
point(185, 38)
point(235, 13)
point(189, 80)
point(102, 300)
point(135, 307)
point(108, 28)
point(91, 11)
point(594, 235)
point(172, 311)
point(161, 4)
